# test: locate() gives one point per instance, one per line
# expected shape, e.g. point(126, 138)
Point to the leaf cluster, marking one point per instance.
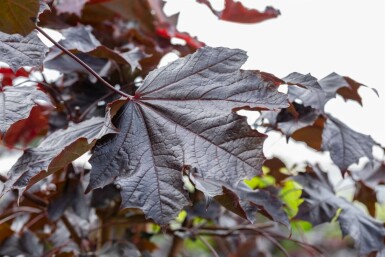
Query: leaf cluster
point(172, 162)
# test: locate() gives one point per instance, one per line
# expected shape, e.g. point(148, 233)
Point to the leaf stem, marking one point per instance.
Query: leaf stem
point(71, 230)
point(88, 68)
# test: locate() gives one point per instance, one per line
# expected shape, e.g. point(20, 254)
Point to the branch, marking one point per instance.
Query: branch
point(88, 68)
point(208, 245)
point(72, 230)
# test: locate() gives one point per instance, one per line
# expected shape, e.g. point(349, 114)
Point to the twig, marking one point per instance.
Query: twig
point(176, 246)
point(88, 68)
point(204, 241)
point(72, 230)
point(33, 221)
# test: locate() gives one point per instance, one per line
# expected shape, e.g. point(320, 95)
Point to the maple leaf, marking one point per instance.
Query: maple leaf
point(312, 134)
point(55, 152)
point(25, 131)
point(80, 39)
point(18, 51)
point(183, 114)
point(317, 93)
point(367, 196)
point(69, 193)
point(321, 204)
point(309, 91)
point(16, 16)
point(241, 199)
point(12, 109)
point(344, 86)
point(69, 6)
point(236, 12)
point(345, 145)
point(291, 119)
point(275, 167)
point(26, 245)
point(372, 175)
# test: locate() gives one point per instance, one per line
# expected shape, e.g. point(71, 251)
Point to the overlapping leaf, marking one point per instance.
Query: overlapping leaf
point(345, 145)
point(25, 245)
point(16, 16)
point(317, 93)
point(183, 115)
point(291, 119)
point(321, 205)
point(69, 6)
point(80, 39)
point(372, 175)
point(18, 51)
point(241, 199)
point(55, 152)
point(16, 103)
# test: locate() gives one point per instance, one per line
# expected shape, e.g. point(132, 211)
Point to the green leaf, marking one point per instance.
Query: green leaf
point(291, 196)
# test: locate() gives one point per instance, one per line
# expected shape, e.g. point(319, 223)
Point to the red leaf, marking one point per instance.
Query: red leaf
point(236, 12)
point(7, 75)
point(24, 131)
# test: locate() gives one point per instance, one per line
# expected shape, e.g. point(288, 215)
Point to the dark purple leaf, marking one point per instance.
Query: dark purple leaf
point(120, 249)
point(372, 175)
point(266, 201)
point(26, 245)
point(304, 81)
point(18, 51)
point(80, 39)
point(321, 204)
point(344, 86)
point(367, 196)
point(70, 193)
point(289, 120)
point(56, 152)
point(345, 145)
point(317, 93)
point(183, 114)
point(69, 6)
point(275, 165)
point(309, 91)
point(16, 103)
point(242, 200)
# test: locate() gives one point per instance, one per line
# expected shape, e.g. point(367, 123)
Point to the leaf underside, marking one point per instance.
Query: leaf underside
point(16, 103)
point(18, 51)
point(55, 152)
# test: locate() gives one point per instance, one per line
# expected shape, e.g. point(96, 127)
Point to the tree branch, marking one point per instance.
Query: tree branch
point(88, 68)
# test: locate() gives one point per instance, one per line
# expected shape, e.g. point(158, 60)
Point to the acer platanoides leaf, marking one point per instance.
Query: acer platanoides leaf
point(55, 152)
point(183, 114)
point(16, 103)
point(18, 51)
point(345, 145)
point(321, 204)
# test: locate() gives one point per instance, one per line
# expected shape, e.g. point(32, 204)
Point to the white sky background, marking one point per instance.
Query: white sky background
point(310, 36)
point(319, 36)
